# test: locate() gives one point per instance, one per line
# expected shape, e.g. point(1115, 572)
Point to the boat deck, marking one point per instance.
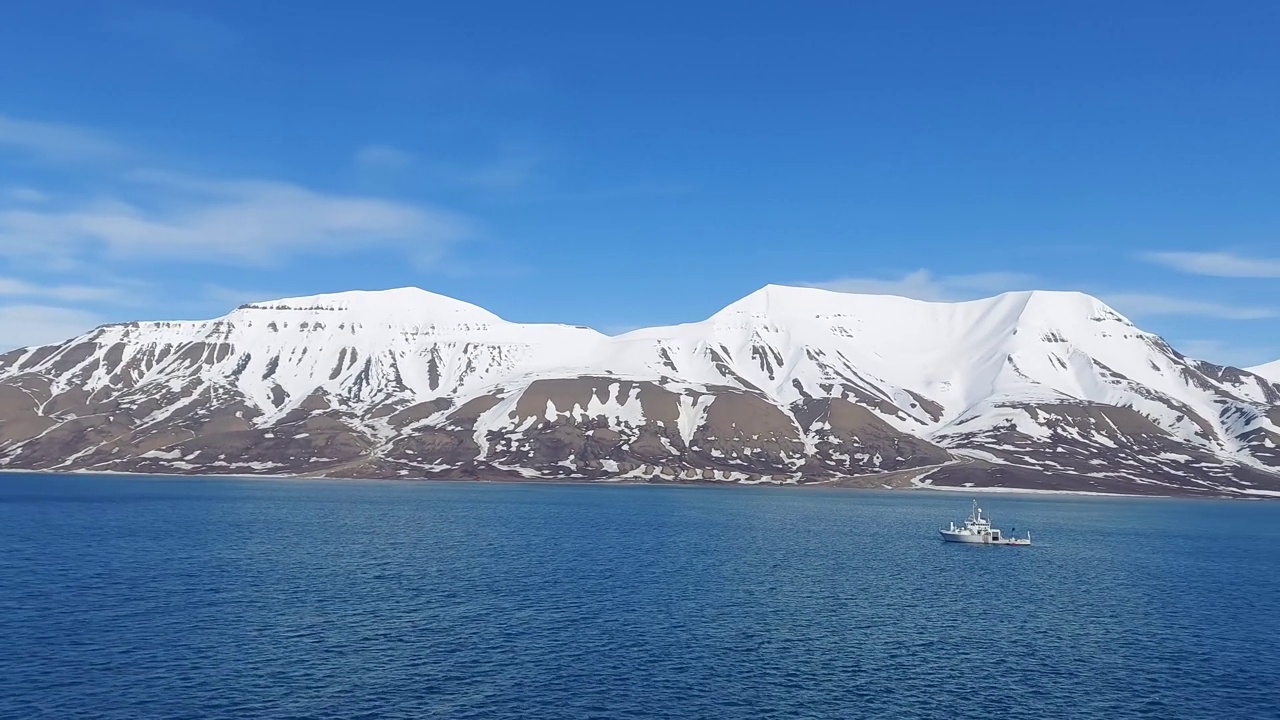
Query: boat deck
point(977, 530)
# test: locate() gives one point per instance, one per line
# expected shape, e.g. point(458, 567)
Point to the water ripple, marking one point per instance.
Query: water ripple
point(127, 598)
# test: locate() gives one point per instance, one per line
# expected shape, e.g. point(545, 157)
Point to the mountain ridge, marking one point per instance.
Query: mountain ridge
point(787, 384)
point(1270, 370)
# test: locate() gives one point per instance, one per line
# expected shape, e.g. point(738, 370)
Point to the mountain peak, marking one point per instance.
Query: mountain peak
point(395, 303)
point(1065, 305)
point(1270, 371)
point(1028, 304)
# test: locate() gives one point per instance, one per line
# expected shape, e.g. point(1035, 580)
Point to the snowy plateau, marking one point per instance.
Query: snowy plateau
point(1028, 390)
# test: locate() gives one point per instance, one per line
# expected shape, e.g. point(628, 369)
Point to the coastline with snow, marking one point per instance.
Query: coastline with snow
point(865, 483)
point(1036, 390)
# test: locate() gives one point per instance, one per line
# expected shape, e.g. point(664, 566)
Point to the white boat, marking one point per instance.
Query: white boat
point(977, 529)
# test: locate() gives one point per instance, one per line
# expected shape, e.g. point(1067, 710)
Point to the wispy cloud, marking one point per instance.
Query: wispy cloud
point(1150, 305)
point(183, 34)
point(1220, 352)
point(25, 325)
point(512, 169)
point(624, 192)
point(237, 222)
point(71, 259)
point(162, 215)
point(56, 142)
point(1217, 264)
point(382, 157)
point(924, 285)
point(13, 287)
point(24, 195)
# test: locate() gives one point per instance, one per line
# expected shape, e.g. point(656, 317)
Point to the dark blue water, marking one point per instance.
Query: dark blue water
point(146, 598)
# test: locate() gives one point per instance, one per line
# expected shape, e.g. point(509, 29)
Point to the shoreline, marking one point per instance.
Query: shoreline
point(823, 485)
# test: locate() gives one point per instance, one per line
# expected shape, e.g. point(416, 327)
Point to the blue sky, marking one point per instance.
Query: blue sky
point(625, 166)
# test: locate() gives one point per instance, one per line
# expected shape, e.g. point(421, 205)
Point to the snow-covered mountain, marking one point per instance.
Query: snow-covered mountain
point(1270, 371)
point(1032, 389)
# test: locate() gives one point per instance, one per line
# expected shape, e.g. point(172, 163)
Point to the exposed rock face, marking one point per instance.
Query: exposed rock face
point(1037, 390)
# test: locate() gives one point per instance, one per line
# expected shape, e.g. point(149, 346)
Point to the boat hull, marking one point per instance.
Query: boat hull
point(977, 530)
point(970, 538)
point(957, 537)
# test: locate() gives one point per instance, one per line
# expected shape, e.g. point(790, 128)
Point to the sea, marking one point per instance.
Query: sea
point(132, 597)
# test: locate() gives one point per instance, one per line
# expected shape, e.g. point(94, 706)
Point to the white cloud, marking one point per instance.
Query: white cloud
point(923, 285)
point(235, 222)
point(24, 195)
point(1142, 304)
point(25, 325)
point(1217, 264)
point(56, 142)
point(142, 215)
point(382, 157)
point(55, 247)
point(14, 287)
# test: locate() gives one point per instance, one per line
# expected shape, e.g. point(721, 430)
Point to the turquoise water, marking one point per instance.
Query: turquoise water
point(132, 598)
